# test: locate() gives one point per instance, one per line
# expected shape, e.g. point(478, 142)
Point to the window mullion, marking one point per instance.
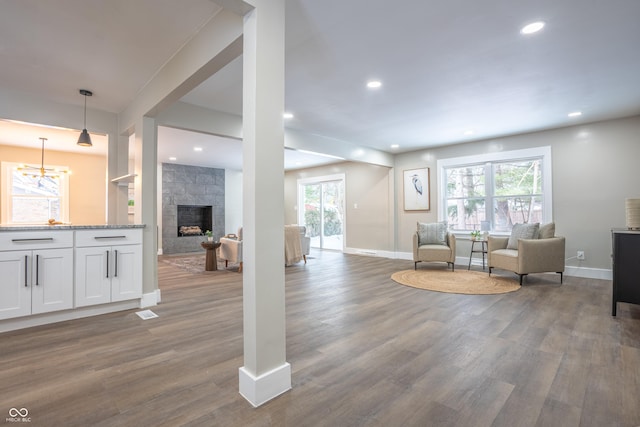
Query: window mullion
point(489, 193)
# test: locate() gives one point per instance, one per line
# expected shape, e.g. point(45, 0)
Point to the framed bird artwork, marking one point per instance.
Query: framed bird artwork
point(416, 190)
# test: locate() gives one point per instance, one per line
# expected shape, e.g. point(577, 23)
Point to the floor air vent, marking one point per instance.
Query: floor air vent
point(146, 314)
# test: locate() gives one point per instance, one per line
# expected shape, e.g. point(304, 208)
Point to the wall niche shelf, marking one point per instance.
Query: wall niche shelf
point(125, 180)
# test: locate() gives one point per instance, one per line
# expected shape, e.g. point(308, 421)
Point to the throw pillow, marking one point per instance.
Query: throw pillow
point(432, 234)
point(547, 231)
point(522, 231)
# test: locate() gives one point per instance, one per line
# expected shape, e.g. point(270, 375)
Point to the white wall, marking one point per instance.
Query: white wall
point(232, 201)
point(595, 167)
point(368, 205)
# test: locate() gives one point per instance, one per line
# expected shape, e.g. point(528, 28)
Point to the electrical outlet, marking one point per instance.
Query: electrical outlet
point(580, 255)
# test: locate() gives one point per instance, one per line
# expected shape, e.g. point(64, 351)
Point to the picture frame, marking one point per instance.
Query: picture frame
point(417, 188)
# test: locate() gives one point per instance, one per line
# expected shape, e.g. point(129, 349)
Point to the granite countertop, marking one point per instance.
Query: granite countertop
point(67, 227)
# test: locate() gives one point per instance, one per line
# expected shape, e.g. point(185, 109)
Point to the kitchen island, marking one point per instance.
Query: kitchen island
point(52, 273)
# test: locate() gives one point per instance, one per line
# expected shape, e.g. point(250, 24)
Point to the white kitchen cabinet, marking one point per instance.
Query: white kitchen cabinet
point(36, 273)
point(108, 266)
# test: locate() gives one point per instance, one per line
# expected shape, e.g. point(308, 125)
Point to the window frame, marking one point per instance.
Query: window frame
point(7, 169)
point(543, 153)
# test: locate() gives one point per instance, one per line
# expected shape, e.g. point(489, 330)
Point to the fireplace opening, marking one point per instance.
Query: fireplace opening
point(194, 220)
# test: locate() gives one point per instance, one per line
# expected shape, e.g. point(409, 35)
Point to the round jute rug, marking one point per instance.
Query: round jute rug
point(456, 282)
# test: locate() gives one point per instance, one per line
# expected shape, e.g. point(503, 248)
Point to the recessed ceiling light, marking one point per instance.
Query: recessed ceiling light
point(173, 159)
point(197, 148)
point(468, 132)
point(575, 114)
point(287, 115)
point(374, 84)
point(534, 27)
point(395, 146)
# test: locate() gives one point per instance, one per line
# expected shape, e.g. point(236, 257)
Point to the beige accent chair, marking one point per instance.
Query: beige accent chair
point(231, 249)
point(297, 246)
point(435, 253)
point(305, 242)
point(545, 254)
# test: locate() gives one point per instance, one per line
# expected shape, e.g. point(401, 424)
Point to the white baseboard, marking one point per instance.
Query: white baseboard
point(371, 252)
point(150, 299)
point(159, 251)
point(261, 389)
point(589, 273)
point(60, 316)
point(586, 272)
point(404, 255)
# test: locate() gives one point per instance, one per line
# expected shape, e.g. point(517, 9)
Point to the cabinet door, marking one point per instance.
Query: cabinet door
point(51, 280)
point(93, 278)
point(126, 268)
point(626, 267)
point(15, 289)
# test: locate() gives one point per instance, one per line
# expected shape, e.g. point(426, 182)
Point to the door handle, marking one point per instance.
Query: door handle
point(107, 264)
point(37, 270)
point(26, 270)
point(116, 254)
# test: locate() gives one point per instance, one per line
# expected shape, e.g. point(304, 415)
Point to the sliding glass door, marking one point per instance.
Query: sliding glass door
point(321, 210)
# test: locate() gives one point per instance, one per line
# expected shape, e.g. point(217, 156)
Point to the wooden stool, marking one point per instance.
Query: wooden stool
point(211, 262)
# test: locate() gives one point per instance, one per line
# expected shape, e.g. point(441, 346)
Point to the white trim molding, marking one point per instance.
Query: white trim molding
point(585, 272)
point(64, 315)
point(261, 389)
point(588, 272)
point(372, 252)
point(150, 299)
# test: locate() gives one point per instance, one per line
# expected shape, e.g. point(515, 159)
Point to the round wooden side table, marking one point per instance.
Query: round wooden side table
point(211, 261)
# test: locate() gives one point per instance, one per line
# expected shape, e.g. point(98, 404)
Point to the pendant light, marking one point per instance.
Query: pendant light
point(85, 139)
point(41, 172)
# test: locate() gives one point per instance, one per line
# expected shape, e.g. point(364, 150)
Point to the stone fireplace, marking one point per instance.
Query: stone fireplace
point(192, 196)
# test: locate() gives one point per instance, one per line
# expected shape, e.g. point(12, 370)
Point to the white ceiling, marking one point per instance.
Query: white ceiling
point(219, 152)
point(58, 139)
point(446, 67)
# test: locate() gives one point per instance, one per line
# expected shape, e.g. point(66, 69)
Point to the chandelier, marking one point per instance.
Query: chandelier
point(41, 172)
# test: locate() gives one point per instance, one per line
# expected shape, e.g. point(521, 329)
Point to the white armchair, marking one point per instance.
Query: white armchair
point(231, 249)
point(297, 246)
point(305, 242)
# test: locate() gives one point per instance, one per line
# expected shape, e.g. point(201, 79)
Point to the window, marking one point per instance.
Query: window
point(494, 191)
point(29, 199)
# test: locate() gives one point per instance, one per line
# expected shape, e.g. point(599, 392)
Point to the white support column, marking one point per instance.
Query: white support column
point(118, 195)
point(266, 373)
point(145, 187)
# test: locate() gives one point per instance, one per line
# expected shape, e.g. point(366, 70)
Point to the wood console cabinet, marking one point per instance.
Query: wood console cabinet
point(626, 267)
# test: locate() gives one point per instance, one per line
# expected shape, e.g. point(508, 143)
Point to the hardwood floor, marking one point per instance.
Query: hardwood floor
point(363, 350)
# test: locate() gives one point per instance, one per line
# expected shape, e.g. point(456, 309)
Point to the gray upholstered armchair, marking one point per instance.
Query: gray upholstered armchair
point(532, 255)
point(431, 243)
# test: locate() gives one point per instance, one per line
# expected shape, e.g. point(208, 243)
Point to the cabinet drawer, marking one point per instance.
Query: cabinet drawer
point(30, 240)
point(108, 237)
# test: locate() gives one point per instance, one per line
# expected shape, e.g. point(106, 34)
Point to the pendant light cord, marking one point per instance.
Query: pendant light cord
point(85, 111)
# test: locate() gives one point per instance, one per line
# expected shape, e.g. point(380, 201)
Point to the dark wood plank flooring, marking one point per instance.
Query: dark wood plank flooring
point(363, 349)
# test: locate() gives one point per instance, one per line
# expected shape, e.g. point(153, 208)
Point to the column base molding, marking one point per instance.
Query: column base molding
point(261, 389)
